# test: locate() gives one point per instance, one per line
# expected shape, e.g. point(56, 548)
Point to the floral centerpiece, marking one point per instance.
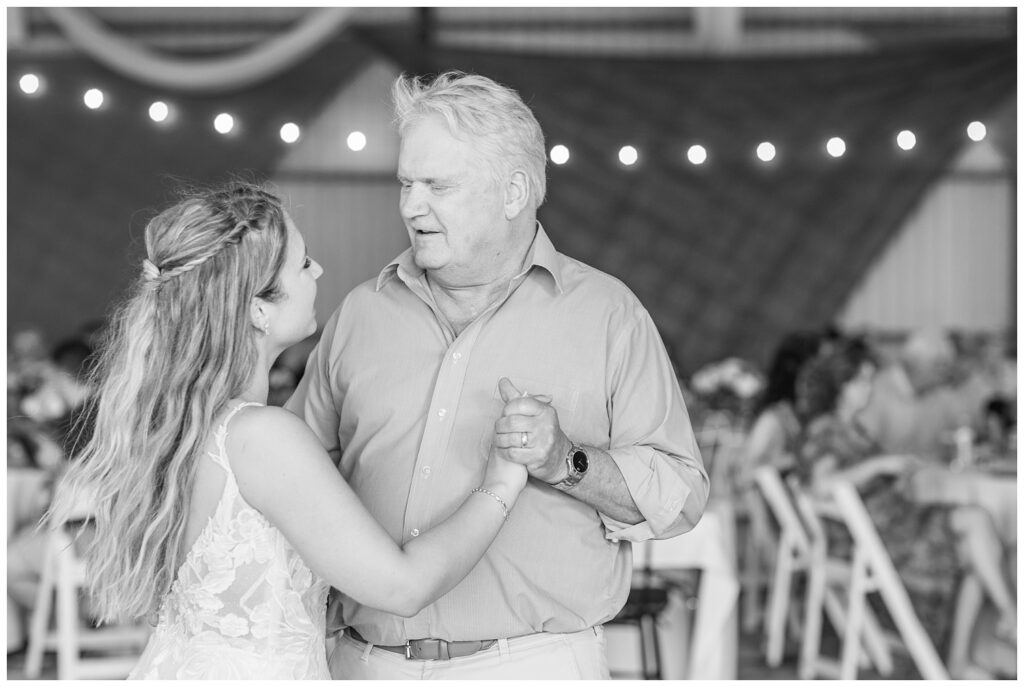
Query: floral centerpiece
point(726, 391)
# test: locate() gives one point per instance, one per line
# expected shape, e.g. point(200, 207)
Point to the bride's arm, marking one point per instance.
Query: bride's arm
point(284, 472)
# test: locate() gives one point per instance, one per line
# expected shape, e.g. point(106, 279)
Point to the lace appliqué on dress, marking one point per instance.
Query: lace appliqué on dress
point(243, 604)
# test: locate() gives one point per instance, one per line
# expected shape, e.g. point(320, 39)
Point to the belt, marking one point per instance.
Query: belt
point(431, 649)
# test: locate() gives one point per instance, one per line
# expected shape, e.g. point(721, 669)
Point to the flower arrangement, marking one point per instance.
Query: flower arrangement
point(729, 386)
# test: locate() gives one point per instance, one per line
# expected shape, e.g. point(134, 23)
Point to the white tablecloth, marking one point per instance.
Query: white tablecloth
point(994, 491)
point(711, 547)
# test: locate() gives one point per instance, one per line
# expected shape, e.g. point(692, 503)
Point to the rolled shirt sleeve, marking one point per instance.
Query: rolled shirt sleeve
point(652, 440)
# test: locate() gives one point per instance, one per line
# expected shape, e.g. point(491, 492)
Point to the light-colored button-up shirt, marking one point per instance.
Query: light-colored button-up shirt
point(410, 408)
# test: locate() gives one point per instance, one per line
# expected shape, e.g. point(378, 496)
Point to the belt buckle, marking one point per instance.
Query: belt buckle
point(438, 650)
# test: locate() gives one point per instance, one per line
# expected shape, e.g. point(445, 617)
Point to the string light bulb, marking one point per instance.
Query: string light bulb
point(93, 98)
point(159, 111)
point(223, 123)
point(766, 151)
point(906, 139)
point(559, 154)
point(356, 141)
point(697, 154)
point(628, 155)
point(29, 84)
point(290, 132)
point(976, 131)
point(836, 146)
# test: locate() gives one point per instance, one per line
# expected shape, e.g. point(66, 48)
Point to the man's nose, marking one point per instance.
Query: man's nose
point(413, 201)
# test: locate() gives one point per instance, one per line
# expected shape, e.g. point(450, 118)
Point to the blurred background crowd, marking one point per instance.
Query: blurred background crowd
point(817, 206)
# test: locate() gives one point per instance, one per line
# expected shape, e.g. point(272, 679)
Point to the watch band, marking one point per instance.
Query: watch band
point(574, 474)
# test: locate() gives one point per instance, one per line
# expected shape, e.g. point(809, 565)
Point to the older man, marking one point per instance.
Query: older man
point(404, 390)
point(913, 408)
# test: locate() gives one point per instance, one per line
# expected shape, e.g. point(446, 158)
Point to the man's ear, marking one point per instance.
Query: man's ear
point(517, 193)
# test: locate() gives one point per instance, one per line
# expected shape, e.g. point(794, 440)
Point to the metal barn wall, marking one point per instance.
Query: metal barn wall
point(953, 263)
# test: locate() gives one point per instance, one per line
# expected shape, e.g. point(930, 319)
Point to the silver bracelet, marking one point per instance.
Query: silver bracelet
point(501, 502)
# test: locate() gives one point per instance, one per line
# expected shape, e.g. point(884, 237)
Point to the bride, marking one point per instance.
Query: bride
point(218, 517)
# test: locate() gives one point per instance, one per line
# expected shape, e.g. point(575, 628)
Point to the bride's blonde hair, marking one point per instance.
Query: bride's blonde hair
point(176, 351)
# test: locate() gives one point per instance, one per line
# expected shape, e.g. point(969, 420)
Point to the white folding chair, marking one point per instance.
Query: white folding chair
point(63, 575)
point(828, 583)
point(791, 556)
point(873, 570)
point(801, 549)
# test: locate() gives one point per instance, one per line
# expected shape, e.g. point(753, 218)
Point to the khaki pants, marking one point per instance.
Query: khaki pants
point(542, 656)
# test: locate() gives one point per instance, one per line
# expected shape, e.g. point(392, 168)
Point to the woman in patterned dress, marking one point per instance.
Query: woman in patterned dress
point(931, 545)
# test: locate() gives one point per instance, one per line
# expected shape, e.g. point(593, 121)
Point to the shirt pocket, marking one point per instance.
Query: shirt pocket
point(563, 399)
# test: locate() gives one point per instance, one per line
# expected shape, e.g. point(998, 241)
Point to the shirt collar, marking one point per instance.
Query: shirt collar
point(404, 266)
point(542, 254)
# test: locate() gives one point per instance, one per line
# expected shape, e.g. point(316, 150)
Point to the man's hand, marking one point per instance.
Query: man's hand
point(528, 433)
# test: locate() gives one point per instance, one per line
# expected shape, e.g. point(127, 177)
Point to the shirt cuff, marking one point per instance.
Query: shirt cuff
point(658, 490)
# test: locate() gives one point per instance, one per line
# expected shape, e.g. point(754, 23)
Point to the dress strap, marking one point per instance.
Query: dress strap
point(221, 435)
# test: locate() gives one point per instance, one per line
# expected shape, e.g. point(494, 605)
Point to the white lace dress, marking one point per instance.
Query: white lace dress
point(243, 605)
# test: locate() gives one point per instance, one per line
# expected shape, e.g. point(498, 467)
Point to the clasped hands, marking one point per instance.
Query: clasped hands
point(528, 433)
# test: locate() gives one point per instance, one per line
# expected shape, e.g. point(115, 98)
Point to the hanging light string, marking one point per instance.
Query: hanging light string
point(290, 132)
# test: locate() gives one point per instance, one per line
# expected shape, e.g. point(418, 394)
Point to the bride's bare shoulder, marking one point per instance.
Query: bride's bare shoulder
point(270, 432)
point(269, 449)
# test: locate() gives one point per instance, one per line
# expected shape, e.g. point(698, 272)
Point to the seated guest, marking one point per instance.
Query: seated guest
point(932, 545)
point(772, 438)
point(912, 407)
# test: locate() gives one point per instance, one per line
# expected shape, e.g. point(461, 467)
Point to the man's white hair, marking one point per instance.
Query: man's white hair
point(493, 115)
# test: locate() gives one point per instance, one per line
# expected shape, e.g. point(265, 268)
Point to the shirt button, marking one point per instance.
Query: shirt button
point(426, 472)
point(442, 412)
point(415, 532)
point(457, 355)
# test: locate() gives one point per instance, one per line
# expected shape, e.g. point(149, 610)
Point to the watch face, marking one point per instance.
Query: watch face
point(580, 462)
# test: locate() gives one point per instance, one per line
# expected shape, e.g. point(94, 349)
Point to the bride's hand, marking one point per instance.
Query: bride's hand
point(503, 476)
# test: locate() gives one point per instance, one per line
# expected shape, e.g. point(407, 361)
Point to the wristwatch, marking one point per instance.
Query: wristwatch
point(577, 462)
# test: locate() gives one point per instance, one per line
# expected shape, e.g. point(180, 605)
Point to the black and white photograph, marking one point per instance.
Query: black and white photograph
point(512, 343)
